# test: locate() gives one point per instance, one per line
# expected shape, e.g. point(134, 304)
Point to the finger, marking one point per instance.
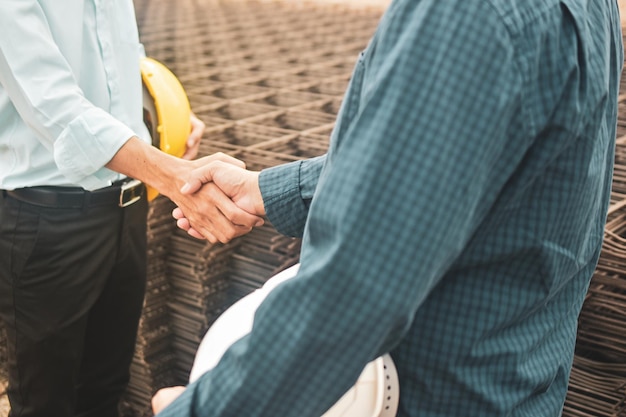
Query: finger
point(195, 136)
point(223, 237)
point(198, 177)
point(192, 147)
point(192, 185)
point(210, 217)
point(222, 157)
point(194, 233)
point(164, 397)
point(183, 224)
point(191, 151)
point(196, 123)
point(197, 130)
point(232, 213)
point(219, 229)
point(200, 232)
point(177, 213)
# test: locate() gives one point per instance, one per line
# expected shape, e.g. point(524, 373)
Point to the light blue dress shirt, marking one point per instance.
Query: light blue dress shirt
point(70, 90)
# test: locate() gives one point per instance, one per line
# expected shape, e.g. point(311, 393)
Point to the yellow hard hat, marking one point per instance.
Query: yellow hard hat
point(167, 113)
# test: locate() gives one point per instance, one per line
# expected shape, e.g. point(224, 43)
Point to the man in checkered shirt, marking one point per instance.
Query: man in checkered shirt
point(455, 221)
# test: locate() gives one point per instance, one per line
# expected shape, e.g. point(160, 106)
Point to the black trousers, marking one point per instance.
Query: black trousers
point(72, 283)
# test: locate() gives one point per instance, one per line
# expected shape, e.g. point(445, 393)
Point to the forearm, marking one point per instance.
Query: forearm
point(146, 163)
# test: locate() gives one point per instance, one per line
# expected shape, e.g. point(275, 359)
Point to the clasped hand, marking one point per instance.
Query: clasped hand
point(223, 192)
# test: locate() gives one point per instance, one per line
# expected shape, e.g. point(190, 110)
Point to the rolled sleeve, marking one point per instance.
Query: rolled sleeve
point(88, 143)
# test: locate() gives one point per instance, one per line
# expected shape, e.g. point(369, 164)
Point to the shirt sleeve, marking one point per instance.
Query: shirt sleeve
point(44, 91)
point(287, 193)
point(403, 188)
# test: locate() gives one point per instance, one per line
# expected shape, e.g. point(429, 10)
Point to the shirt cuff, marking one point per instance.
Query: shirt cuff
point(284, 206)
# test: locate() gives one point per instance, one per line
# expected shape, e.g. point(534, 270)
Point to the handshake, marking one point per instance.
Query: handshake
point(220, 199)
point(217, 198)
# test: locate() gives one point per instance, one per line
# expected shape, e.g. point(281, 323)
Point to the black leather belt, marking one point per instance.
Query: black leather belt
point(122, 194)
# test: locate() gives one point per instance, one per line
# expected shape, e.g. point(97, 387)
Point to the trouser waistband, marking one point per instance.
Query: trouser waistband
point(122, 194)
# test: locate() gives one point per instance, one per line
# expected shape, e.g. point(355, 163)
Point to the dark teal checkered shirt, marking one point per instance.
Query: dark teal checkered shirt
point(455, 221)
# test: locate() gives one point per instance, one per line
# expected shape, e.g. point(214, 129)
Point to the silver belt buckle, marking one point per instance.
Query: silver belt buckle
point(130, 193)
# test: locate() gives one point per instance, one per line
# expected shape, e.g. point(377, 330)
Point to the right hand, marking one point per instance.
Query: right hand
point(239, 184)
point(217, 213)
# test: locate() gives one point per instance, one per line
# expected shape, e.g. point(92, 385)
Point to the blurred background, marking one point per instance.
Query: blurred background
point(267, 77)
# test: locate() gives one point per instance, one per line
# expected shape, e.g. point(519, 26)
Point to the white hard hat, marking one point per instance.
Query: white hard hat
point(375, 394)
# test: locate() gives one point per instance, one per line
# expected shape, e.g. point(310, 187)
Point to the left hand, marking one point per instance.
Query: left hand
point(164, 397)
point(193, 141)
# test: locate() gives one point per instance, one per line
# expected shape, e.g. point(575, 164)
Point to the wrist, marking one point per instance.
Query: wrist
point(146, 163)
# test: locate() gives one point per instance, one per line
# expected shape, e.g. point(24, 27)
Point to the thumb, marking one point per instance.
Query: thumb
point(197, 178)
point(191, 186)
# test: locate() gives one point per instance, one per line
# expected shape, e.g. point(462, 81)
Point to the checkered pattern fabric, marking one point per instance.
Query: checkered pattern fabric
point(455, 221)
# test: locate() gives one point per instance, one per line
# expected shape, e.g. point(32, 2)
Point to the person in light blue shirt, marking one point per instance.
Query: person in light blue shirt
point(455, 221)
point(72, 220)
